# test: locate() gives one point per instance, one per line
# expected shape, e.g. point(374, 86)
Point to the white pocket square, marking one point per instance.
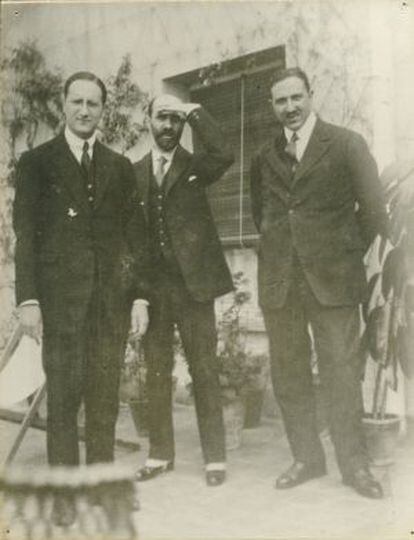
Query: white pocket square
point(192, 178)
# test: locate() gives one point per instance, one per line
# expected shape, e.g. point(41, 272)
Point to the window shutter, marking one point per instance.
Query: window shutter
point(238, 97)
point(242, 108)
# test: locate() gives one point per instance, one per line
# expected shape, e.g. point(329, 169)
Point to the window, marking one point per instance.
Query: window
point(238, 97)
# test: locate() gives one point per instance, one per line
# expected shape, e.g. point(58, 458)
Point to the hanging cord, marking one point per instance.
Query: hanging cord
point(241, 191)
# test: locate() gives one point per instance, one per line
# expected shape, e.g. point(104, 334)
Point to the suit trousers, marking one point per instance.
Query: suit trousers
point(82, 362)
point(336, 334)
point(171, 305)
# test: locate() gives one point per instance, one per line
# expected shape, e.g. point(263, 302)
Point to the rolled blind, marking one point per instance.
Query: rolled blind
point(242, 107)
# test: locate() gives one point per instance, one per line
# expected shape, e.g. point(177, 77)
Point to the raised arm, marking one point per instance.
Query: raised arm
point(214, 156)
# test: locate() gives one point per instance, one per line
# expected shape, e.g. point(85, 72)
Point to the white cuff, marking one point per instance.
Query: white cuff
point(152, 462)
point(30, 302)
point(216, 466)
point(190, 107)
point(140, 301)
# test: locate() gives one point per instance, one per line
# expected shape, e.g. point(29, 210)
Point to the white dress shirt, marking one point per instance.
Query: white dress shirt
point(303, 133)
point(76, 144)
point(157, 153)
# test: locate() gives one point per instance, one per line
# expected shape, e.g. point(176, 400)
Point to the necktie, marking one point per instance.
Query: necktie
point(160, 172)
point(290, 148)
point(85, 159)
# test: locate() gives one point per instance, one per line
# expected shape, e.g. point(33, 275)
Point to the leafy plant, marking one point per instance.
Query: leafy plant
point(30, 101)
point(125, 102)
point(133, 373)
point(388, 315)
point(240, 369)
point(32, 97)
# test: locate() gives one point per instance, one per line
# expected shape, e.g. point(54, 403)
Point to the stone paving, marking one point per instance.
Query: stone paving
point(180, 506)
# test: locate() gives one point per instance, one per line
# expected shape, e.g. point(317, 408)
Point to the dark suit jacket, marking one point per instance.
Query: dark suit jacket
point(328, 214)
point(66, 249)
point(188, 217)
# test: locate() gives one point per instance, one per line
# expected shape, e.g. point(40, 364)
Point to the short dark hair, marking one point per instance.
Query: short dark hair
point(85, 76)
point(285, 73)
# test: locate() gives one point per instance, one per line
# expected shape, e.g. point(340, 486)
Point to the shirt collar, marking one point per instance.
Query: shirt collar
point(305, 131)
point(76, 142)
point(157, 153)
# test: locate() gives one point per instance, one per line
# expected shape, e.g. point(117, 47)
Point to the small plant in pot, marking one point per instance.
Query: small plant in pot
point(242, 374)
point(389, 314)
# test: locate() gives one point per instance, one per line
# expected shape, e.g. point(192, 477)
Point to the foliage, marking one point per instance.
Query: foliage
point(388, 314)
point(33, 97)
point(125, 99)
point(239, 369)
point(134, 373)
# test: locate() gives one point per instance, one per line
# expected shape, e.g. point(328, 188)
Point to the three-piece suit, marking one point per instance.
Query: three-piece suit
point(316, 220)
point(188, 271)
point(78, 254)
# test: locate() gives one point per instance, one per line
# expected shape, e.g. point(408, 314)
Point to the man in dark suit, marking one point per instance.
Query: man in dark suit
point(316, 201)
point(188, 272)
point(78, 236)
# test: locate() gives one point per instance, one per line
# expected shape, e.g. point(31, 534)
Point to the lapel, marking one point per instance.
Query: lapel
point(143, 171)
point(317, 146)
point(179, 163)
point(66, 170)
point(273, 156)
point(102, 165)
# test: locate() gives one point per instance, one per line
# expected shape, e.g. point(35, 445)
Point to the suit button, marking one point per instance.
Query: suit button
point(160, 196)
point(291, 211)
point(162, 244)
point(159, 207)
point(90, 199)
point(89, 186)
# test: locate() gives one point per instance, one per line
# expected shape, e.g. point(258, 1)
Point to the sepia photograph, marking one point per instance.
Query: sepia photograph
point(207, 269)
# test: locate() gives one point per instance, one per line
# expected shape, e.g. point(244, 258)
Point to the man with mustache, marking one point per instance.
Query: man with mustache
point(188, 271)
point(80, 249)
point(317, 204)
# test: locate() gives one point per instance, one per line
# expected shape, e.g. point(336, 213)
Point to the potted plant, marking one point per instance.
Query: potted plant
point(389, 314)
point(132, 388)
point(242, 374)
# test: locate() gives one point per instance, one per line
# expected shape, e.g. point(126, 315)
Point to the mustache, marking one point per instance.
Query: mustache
point(168, 132)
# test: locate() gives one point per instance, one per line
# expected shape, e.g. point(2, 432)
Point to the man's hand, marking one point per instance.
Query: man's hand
point(187, 108)
point(30, 318)
point(167, 104)
point(139, 319)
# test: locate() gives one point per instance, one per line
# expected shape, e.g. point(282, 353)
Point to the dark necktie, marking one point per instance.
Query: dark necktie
point(290, 148)
point(85, 160)
point(160, 170)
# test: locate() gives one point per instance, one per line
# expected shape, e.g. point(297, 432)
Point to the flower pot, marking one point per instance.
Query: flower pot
point(381, 438)
point(139, 412)
point(128, 390)
point(253, 401)
point(233, 415)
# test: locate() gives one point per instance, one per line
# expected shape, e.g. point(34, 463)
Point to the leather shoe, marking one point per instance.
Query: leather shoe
point(364, 483)
point(63, 512)
point(148, 473)
point(299, 473)
point(215, 478)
